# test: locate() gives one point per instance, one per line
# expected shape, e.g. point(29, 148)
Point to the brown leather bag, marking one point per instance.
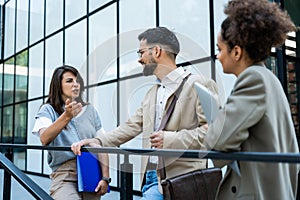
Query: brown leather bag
point(201, 184)
point(196, 185)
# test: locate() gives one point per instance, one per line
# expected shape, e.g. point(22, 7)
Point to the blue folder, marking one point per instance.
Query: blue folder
point(88, 172)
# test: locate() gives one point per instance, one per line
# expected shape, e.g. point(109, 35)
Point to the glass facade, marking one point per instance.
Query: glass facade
point(99, 38)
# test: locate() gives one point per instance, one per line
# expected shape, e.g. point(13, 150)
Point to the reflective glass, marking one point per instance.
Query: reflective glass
point(0, 121)
point(219, 16)
point(19, 158)
point(75, 10)
point(225, 81)
point(75, 49)
point(7, 124)
point(130, 27)
point(8, 86)
point(54, 15)
point(94, 4)
point(36, 20)
point(34, 157)
point(9, 31)
point(35, 81)
point(102, 45)
point(104, 99)
point(190, 20)
point(134, 91)
point(20, 123)
point(53, 58)
point(1, 89)
point(46, 169)
point(22, 25)
point(21, 76)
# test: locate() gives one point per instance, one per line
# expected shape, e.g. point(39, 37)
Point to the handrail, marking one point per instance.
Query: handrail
point(242, 156)
point(24, 180)
point(126, 191)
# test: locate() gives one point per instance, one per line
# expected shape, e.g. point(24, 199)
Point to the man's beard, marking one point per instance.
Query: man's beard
point(149, 68)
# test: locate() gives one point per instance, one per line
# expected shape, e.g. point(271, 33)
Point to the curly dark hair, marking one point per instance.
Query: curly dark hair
point(256, 26)
point(55, 89)
point(163, 36)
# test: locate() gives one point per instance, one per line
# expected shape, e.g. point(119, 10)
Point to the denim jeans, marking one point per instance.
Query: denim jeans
point(150, 189)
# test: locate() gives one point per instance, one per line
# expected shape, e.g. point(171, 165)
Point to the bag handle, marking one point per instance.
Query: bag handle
point(166, 119)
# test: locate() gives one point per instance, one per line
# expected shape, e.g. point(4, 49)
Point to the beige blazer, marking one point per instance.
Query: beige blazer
point(256, 118)
point(183, 131)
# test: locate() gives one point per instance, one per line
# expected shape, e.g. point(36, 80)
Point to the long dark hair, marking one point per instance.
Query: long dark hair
point(55, 90)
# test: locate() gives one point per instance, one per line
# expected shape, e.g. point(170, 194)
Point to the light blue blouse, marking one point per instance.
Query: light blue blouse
point(81, 127)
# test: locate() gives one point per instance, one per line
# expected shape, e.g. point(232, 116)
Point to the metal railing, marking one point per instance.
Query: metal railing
point(126, 189)
point(11, 170)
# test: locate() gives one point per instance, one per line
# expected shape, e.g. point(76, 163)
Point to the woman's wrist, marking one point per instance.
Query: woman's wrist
point(98, 141)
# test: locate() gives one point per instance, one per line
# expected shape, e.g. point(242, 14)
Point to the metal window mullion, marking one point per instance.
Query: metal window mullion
point(212, 39)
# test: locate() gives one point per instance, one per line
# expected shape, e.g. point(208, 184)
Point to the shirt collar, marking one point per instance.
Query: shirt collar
point(173, 76)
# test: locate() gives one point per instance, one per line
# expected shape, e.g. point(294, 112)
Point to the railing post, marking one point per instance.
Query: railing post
point(126, 192)
point(7, 177)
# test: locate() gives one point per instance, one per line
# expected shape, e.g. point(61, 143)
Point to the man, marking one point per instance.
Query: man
point(158, 50)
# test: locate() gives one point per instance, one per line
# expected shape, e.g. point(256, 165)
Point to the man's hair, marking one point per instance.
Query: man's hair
point(162, 36)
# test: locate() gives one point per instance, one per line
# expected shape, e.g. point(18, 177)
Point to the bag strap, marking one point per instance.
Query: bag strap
point(166, 119)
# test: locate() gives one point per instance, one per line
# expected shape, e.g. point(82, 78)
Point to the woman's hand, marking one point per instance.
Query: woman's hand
point(76, 147)
point(102, 187)
point(72, 109)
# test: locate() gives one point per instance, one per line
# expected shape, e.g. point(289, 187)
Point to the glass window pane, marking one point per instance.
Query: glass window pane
point(134, 90)
point(8, 86)
point(19, 158)
point(9, 31)
point(22, 25)
point(105, 101)
point(225, 82)
point(131, 9)
point(75, 50)
point(36, 20)
point(53, 57)
point(102, 45)
point(34, 157)
point(94, 4)
point(1, 123)
point(219, 16)
point(20, 123)
point(21, 76)
point(54, 15)
point(75, 10)
point(191, 22)
point(35, 88)
point(130, 27)
point(1, 89)
point(7, 124)
point(46, 168)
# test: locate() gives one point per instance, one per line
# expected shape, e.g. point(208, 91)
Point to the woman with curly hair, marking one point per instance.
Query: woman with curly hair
point(256, 116)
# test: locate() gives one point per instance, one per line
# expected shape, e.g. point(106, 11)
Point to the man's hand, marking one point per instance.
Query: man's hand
point(76, 147)
point(157, 139)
